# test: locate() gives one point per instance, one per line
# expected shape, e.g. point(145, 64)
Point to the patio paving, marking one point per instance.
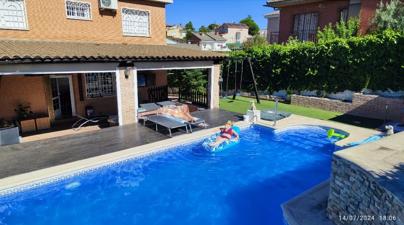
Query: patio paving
point(30, 156)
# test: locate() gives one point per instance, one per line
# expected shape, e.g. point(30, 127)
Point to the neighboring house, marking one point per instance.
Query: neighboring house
point(234, 33)
point(273, 27)
point(61, 56)
point(175, 31)
point(302, 18)
point(181, 43)
point(209, 41)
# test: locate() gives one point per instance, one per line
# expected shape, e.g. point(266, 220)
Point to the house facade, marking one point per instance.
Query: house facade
point(60, 57)
point(234, 33)
point(302, 18)
point(210, 41)
point(175, 31)
point(272, 27)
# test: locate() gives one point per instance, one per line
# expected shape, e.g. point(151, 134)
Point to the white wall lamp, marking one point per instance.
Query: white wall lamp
point(128, 72)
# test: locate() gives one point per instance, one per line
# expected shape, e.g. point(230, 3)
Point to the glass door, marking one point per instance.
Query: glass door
point(62, 104)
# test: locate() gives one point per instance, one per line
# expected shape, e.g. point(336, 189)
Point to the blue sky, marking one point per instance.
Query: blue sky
point(205, 12)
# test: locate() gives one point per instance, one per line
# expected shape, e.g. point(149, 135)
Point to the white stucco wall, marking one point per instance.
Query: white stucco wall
point(230, 36)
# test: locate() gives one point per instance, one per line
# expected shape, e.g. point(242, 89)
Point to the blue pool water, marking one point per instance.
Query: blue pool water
point(245, 184)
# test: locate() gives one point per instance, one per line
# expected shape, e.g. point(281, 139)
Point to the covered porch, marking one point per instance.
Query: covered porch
point(48, 91)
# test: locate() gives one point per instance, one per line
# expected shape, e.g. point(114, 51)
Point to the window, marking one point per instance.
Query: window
point(13, 15)
point(100, 85)
point(78, 10)
point(146, 79)
point(238, 37)
point(343, 15)
point(305, 26)
point(135, 22)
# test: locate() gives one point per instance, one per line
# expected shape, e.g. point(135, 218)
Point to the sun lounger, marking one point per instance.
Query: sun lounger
point(167, 122)
point(146, 110)
point(85, 120)
point(195, 122)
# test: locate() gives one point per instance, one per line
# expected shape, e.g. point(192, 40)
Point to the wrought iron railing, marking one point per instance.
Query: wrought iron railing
point(158, 93)
point(195, 97)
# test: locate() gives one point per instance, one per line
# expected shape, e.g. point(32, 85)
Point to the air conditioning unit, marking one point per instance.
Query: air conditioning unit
point(109, 4)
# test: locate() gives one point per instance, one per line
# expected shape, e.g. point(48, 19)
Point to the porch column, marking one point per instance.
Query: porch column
point(214, 88)
point(126, 89)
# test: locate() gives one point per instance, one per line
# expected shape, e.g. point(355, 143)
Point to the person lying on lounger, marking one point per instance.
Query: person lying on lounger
point(226, 134)
point(181, 112)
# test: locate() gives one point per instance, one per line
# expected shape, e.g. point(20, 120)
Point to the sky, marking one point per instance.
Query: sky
point(205, 12)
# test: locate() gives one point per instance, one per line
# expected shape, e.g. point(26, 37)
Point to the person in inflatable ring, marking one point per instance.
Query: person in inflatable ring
point(226, 134)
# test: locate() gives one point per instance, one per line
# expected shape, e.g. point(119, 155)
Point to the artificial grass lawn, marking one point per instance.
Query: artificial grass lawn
point(241, 104)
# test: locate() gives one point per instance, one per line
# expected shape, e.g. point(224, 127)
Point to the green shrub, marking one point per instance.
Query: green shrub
point(373, 61)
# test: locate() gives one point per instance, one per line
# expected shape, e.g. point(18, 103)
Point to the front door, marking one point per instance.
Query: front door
point(62, 104)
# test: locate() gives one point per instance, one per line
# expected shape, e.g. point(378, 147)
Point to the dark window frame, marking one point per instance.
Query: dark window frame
point(305, 31)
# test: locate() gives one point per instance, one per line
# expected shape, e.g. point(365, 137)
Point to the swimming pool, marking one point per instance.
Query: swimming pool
point(245, 184)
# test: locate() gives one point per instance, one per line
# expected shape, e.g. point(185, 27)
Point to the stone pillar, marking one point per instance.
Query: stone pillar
point(126, 89)
point(214, 87)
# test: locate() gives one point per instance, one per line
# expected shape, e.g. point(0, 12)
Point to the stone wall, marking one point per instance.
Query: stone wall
point(321, 103)
point(371, 106)
point(357, 198)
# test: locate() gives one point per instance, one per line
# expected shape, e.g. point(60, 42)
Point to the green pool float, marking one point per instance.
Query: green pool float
point(331, 133)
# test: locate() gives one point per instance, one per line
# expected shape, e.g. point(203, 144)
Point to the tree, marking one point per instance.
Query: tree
point(213, 26)
point(389, 16)
point(189, 28)
point(253, 28)
point(188, 80)
point(203, 29)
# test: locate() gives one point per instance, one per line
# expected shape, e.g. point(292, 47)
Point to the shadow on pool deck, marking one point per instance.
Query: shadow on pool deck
point(30, 156)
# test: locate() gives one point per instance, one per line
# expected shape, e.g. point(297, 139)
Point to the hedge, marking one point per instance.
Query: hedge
point(373, 61)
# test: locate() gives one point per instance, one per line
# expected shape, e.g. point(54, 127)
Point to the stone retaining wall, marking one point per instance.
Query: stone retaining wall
point(356, 198)
point(371, 106)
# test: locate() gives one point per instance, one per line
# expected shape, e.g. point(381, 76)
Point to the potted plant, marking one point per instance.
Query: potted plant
point(25, 117)
point(9, 133)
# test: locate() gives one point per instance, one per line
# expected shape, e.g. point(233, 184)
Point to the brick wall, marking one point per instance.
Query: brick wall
point(356, 198)
point(47, 21)
point(329, 12)
point(371, 106)
point(368, 9)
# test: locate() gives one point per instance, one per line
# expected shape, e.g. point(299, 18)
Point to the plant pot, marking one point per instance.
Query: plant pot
point(9, 136)
point(28, 125)
point(42, 123)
